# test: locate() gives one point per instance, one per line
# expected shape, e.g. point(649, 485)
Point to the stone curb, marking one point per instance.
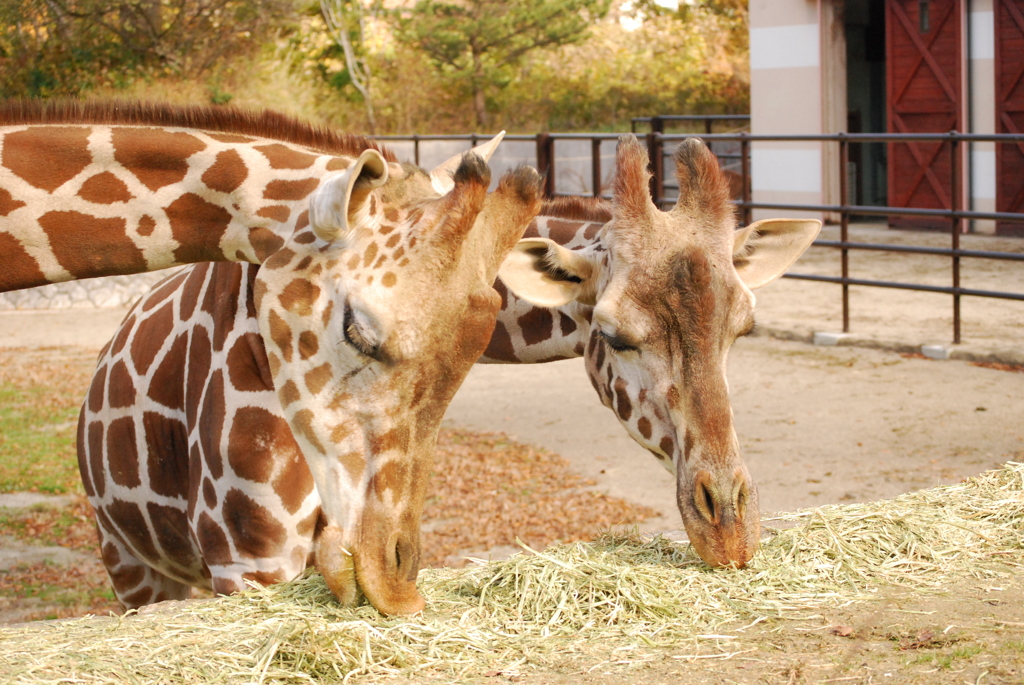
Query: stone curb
point(963, 352)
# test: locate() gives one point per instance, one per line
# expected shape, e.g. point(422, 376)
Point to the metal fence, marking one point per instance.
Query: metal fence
point(733, 150)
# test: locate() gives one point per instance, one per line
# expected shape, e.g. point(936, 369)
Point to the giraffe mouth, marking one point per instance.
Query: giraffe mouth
point(380, 568)
point(721, 519)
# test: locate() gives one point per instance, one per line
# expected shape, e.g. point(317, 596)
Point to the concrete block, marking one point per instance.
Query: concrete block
point(825, 339)
point(935, 351)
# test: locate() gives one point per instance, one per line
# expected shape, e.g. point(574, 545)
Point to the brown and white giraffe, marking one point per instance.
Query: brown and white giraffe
point(652, 299)
point(374, 300)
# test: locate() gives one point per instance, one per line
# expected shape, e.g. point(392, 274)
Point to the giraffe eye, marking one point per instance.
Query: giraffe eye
point(616, 343)
point(355, 337)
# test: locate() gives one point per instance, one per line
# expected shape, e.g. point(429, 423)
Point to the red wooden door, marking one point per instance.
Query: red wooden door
point(1009, 21)
point(924, 92)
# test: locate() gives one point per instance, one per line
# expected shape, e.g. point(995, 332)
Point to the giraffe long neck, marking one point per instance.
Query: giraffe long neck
point(529, 334)
point(78, 201)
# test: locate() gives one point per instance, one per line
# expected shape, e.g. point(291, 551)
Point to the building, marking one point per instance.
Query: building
point(826, 66)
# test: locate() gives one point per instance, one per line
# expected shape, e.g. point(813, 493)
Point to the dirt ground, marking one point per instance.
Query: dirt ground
point(817, 425)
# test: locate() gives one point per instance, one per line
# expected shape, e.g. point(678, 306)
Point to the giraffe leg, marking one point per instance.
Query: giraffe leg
point(135, 583)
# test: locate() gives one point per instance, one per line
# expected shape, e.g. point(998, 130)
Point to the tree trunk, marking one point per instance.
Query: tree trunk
point(479, 101)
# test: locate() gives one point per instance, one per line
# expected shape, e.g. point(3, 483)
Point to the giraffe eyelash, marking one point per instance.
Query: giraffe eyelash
point(616, 343)
point(354, 338)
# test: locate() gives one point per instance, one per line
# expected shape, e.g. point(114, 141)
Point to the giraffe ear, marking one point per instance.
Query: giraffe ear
point(441, 176)
point(546, 274)
point(765, 249)
point(335, 204)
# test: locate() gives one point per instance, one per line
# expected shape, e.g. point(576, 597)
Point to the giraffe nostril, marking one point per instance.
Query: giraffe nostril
point(704, 498)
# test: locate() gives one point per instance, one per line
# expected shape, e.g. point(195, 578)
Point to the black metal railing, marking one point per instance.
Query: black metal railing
point(659, 147)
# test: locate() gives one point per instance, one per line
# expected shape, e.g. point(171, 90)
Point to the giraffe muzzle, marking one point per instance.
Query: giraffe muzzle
point(721, 516)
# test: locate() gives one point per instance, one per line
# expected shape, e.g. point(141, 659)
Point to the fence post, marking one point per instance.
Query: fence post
point(844, 225)
point(546, 162)
point(595, 166)
point(745, 173)
point(654, 152)
point(954, 149)
point(416, 148)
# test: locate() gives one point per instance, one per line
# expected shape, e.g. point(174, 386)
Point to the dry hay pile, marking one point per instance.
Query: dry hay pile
point(617, 593)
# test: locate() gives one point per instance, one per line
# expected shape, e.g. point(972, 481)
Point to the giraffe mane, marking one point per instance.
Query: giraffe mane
point(577, 208)
point(258, 123)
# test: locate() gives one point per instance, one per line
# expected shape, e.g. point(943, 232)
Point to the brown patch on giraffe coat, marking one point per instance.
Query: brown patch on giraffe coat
point(138, 598)
point(303, 425)
point(667, 445)
point(643, 424)
point(299, 296)
point(104, 189)
point(191, 290)
point(393, 240)
point(123, 453)
point(156, 157)
point(129, 519)
point(253, 442)
point(309, 344)
point(294, 481)
point(226, 283)
point(211, 424)
point(500, 347)
point(97, 389)
point(289, 393)
point(281, 335)
point(290, 191)
point(8, 204)
point(209, 494)
point(353, 262)
point(199, 360)
point(257, 534)
point(246, 364)
point(147, 225)
point(687, 445)
point(158, 328)
point(566, 324)
point(95, 443)
point(283, 157)
point(171, 526)
point(19, 266)
point(167, 288)
point(623, 407)
point(47, 157)
point(306, 526)
point(167, 386)
point(304, 237)
point(389, 279)
point(198, 226)
point(318, 377)
point(281, 258)
point(278, 213)
point(212, 541)
point(166, 445)
point(121, 339)
point(537, 325)
point(227, 172)
point(122, 389)
point(338, 164)
point(125, 577)
point(230, 137)
point(88, 246)
point(264, 242)
point(368, 256)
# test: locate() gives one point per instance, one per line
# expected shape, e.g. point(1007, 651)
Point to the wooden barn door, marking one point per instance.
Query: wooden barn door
point(1009, 22)
point(923, 77)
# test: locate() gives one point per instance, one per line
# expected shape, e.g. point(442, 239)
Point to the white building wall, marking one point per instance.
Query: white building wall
point(785, 98)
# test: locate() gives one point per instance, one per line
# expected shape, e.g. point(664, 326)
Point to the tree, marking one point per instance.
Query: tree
point(346, 22)
point(478, 42)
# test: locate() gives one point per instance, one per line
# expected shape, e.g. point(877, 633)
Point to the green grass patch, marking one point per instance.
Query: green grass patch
point(37, 441)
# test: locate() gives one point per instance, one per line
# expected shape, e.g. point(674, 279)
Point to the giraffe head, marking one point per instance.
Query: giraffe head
point(671, 292)
point(372, 318)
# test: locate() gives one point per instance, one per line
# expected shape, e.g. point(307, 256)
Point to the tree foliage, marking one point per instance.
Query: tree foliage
point(478, 42)
point(65, 47)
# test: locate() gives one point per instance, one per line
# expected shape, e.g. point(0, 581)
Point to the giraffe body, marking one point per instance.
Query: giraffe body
point(373, 302)
point(602, 287)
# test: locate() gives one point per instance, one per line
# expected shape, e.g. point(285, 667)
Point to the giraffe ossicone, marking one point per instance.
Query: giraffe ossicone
point(372, 317)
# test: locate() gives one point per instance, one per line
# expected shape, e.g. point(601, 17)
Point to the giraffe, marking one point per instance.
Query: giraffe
point(374, 300)
point(652, 299)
